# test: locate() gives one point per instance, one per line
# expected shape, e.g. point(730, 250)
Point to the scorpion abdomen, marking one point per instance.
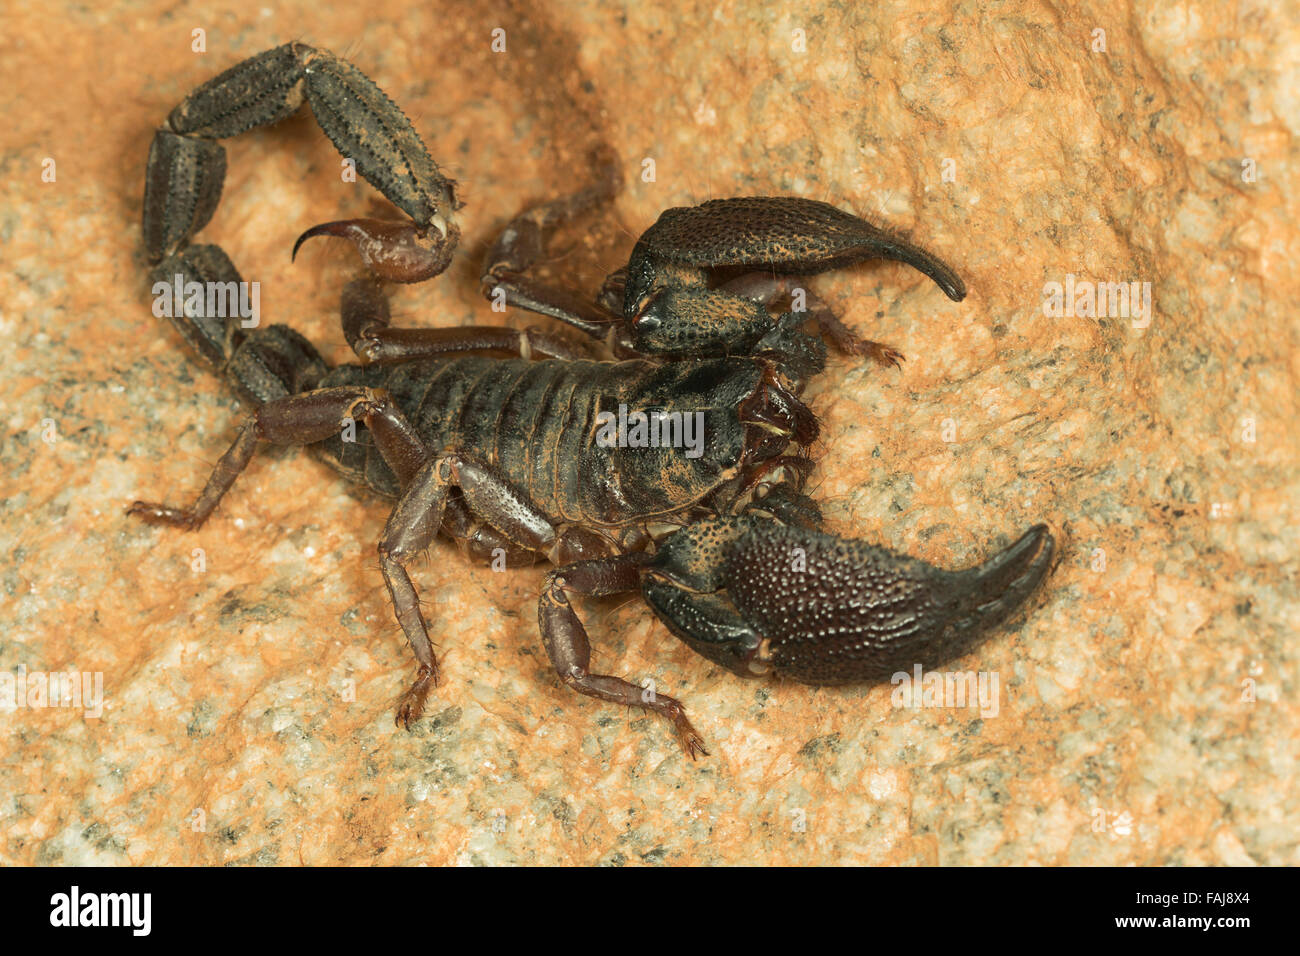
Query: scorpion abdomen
point(537, 423)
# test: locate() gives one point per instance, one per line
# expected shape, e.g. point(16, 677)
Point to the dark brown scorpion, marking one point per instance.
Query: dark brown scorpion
point(519, 456)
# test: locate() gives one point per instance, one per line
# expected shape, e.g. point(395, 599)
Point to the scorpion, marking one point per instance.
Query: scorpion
point(490, 435)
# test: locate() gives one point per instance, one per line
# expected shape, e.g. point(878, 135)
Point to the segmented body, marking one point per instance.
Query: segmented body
point(537, 423)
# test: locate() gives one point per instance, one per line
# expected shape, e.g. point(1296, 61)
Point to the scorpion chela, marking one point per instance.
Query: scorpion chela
point(502, 439)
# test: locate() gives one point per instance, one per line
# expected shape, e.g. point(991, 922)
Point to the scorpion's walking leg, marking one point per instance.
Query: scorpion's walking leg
point(767, 288)
point(414, 523)
point(526, 241)
point(366, 326)
point(293, 420)
point(314, 416)
point(570, 650)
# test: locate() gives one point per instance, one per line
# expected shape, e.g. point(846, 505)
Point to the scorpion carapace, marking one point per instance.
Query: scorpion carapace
point(670, 464)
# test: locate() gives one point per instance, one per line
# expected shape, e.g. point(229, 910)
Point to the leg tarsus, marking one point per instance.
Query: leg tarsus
point(406, 607)
point(227, 469)
point(410, 706)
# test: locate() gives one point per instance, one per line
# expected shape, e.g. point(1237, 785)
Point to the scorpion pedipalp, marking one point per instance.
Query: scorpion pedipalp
point(836, 611)
point(757, 596)
point(787, 234)
point(702, 277)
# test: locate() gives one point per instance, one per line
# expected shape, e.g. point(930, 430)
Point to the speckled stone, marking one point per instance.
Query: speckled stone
point(1147, 710)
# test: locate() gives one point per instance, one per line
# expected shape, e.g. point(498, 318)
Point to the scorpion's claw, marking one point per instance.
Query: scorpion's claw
point(765, 593)
point(834, 611)
point(786, 233)
point(392, 250)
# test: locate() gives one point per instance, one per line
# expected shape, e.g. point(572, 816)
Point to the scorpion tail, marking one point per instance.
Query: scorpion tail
point(836, 611)
point(262, 363)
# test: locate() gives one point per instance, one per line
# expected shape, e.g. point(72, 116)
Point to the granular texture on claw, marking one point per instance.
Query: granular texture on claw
point(838, 611)
point(789, 233)
point(757, 230)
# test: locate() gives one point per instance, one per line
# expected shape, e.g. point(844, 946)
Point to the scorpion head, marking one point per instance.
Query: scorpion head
point(670, 309)
point(693, 431)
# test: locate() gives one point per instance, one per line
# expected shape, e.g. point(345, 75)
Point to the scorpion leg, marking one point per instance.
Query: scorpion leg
point(366, 327)
point(613, 290)
point(479, 541)
point(416, 520)
point(769, 287)
point(526, 241)
point(292, 420)
point(570, 650)
point(301, 419)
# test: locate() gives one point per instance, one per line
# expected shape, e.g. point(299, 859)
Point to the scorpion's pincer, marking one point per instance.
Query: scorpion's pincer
point(394, 251)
